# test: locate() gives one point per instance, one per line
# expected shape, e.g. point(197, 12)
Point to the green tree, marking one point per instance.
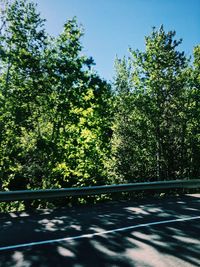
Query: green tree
point(22, 41)
point(152, 86)
point(193, 127)
point(55, 113)
point(79, 114)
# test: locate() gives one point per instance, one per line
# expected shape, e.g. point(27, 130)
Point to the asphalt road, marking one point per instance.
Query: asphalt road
point(161, 233)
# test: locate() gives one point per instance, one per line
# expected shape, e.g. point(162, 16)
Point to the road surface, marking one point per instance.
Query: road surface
point(161, 233)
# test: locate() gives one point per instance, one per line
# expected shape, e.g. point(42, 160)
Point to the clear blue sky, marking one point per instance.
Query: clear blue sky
point(112, 26)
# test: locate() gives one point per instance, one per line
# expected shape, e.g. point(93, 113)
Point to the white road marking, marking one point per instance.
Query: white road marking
point(96, 234)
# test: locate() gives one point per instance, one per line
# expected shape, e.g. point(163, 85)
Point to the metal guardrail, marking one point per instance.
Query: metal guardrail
point(96, 190)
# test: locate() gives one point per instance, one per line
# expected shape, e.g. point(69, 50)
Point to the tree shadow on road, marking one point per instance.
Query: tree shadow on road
point(172, 244)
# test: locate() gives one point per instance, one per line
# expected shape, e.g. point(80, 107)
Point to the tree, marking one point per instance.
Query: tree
point(22, 42)
point(55, 111)
point(148, 140)
point(193, 126)
point(79, 114)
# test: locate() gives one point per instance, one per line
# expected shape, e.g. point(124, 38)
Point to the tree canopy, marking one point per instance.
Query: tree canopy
point(156, 134)
point(62, 125)
point(55, 111)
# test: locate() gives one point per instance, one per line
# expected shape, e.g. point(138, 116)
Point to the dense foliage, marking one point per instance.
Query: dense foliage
point(55, 112)
point(157, 134)
point(61, 125)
